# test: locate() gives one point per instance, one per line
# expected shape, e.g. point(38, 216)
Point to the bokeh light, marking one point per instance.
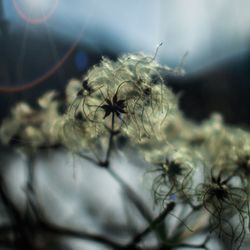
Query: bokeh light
point(81, 60)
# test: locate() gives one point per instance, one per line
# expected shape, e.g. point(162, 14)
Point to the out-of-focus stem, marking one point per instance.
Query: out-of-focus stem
point(133, 197)
point(105, 163)
point(152, 226)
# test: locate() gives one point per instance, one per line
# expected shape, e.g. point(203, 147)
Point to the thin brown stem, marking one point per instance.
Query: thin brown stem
point(152, 226)
point(133, 197)
point(105, 163)
point(62, 231)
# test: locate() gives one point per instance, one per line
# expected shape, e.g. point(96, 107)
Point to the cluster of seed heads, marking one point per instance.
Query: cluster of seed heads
point(206, 166)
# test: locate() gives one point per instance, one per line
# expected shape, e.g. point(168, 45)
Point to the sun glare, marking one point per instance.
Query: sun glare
point(35, 11)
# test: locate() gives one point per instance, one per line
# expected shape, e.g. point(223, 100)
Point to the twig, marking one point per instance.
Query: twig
point(31, 172)
point(61, 231)
point(201, 246)
point(21, 237)
point(24, 235)
point(131, 194)
point(105, 163)
point(152, 226)
point(88, 158)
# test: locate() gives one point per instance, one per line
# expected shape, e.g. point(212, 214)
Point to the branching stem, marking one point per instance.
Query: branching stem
point(159, 219)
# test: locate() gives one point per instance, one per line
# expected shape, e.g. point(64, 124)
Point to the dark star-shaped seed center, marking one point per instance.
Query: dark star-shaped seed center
point(114, 107)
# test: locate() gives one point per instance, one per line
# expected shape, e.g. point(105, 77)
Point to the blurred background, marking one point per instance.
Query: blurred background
point(44, 43)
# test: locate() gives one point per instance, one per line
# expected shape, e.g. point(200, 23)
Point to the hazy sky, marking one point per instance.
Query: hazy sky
point(209, 30)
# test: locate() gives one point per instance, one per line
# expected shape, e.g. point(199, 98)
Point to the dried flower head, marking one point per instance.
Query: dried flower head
point(227, 202)
point(172, 172)
point(127, 96)
point(31, 128)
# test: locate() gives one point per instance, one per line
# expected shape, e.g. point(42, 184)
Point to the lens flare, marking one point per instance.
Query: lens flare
point(35, 11)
